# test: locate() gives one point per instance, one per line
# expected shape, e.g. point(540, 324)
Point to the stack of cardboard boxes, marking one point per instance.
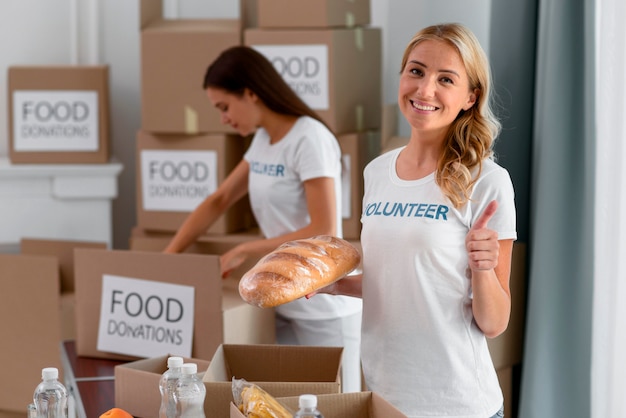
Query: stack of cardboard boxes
point(332, 57)
point(322, 55)
point(57, 193)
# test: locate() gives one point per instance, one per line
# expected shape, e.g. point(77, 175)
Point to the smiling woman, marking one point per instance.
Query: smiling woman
point(438, 229)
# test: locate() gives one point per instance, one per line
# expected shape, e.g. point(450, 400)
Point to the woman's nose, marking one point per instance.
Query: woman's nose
point(224, 119)
point(426, 87)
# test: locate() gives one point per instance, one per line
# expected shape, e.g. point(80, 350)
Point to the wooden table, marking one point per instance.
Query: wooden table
point(89, 381)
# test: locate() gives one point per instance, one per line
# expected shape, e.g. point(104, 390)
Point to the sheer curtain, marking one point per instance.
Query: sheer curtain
point(609, 304)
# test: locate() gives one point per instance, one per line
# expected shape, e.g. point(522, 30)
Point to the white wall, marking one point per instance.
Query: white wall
point(107, 32)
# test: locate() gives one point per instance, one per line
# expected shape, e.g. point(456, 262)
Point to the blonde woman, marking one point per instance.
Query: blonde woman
point(438, 228)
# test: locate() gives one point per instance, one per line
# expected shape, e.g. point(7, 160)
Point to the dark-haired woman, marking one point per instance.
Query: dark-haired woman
point(292, 174)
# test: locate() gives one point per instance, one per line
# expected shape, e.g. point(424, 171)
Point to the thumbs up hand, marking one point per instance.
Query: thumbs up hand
point(482, 243)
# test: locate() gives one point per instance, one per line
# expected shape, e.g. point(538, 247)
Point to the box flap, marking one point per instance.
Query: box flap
point(282, 363)
point(63, 250)
point(349, 405)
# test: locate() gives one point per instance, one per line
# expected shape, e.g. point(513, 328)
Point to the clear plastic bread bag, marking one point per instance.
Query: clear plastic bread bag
point(254, 402)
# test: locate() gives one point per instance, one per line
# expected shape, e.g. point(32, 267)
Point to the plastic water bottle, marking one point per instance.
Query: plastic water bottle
point(308, 407)
point(167, 386)
point(50, 397)
point(190, 393)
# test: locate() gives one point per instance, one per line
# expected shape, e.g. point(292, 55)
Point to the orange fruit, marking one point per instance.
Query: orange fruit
point(116, 413)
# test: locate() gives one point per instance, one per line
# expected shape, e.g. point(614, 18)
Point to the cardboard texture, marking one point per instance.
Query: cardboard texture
point(67, 303)
point(389, 122)
point(174, 57)
point(230, 149)
point(142, 240)
point(505, 377)
point(63, 250)
point(507, 348)
point(137, 384)
point(395, 142)
point(30, 325)
point(354, 95)
point(47, 117)
point(307, 14)
point(348, 405)
point(358, 149)
point(220, 314)
point(280, 370)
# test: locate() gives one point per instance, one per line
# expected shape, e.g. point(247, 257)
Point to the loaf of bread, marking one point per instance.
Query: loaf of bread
point(297, 268)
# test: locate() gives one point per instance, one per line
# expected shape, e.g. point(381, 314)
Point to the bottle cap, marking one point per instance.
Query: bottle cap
point(174, 362)
point(307, 401)
point(50, 373)
point(189, 368)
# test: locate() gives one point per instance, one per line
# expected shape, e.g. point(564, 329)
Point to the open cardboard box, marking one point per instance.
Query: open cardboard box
point(210, 244)
point(341, 405)
point(280, 370)
point(220, 315)
point(63, 250)
point(137, 384)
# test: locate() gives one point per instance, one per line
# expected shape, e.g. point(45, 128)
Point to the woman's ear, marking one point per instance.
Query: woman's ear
point(249, 94)
point(472, 99)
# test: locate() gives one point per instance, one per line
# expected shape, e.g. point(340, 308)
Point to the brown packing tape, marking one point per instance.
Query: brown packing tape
point(350, 19)
point(359, 113)
point(191, 120)
point(359, 39)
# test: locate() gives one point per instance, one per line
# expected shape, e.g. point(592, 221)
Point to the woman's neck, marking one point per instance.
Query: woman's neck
point(418, 159)
point(278, 125)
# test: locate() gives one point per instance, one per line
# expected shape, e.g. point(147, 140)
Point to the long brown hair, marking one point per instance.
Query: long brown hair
point(241, 67)
point(472, 134)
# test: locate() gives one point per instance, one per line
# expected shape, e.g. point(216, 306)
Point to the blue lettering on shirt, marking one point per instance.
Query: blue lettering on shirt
point(272, 170)
point(407, 210)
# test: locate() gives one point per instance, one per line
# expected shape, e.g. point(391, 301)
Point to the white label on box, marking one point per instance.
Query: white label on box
point(48, 120)
point(304, 68)
point(175, 180)
point(145, 318)
point(346, 191)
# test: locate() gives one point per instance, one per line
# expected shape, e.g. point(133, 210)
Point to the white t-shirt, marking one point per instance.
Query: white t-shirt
point(421, 348)
point(276, 190)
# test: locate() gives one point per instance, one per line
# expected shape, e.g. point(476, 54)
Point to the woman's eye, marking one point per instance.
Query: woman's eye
point(446, 80)
point(416, 71)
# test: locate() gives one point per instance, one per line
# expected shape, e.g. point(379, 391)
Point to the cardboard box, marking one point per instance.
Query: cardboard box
point(176, 172)
point(395, 142)
point(142, 240)
point(326, 68)
point(358, 149)
point(63, 250)
point(505, 377)
point(175, 55)
point(67, 303)
point(137, 384)
point(280, 370)
point(389, 122)
point(308, 14)
point(58, 114)
point(507, 348)
point(348, 405)
point(30, 325)
point(220, 315)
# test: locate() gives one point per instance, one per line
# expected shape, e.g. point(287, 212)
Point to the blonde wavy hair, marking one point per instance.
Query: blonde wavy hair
point(472, 134)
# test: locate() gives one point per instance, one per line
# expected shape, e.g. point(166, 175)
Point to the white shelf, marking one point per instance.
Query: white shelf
point(57, 201)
